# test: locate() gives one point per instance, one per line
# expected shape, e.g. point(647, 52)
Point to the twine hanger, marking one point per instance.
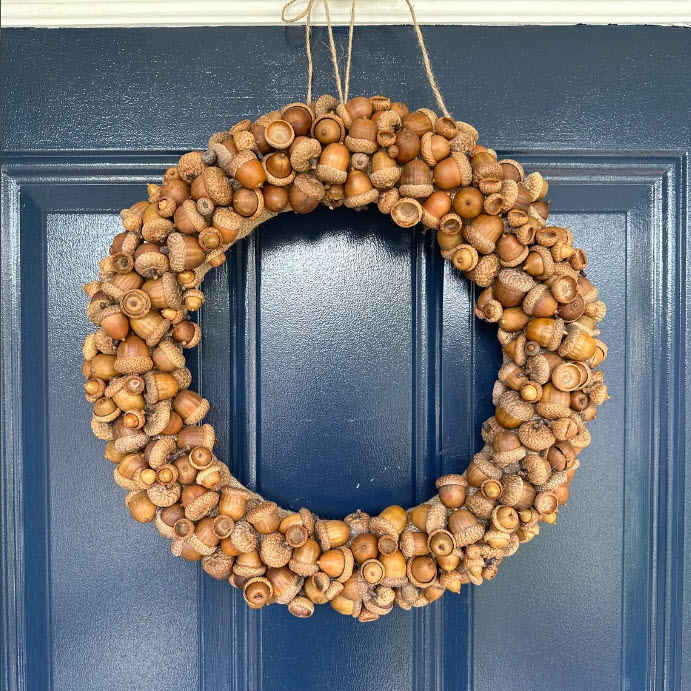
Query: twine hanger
point(343, 93)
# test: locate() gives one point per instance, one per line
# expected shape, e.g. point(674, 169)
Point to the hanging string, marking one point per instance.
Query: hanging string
point(350, 50)
point(428, 65)
point(343, 94)
point(307, 14)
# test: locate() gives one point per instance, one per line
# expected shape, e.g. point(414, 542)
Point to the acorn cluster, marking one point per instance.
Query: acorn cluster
point(491, 222)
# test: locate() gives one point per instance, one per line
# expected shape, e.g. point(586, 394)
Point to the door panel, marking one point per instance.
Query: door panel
point(346, 370)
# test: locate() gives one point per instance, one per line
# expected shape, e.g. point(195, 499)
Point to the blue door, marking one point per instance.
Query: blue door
point(344, 364)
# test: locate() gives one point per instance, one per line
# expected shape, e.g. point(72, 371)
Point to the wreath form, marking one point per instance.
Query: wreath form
point(491, 222)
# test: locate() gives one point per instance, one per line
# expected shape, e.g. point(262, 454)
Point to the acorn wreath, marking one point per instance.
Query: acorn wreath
point(490, 221)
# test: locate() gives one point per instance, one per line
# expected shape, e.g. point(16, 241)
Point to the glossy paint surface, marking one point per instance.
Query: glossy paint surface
point(344, 365)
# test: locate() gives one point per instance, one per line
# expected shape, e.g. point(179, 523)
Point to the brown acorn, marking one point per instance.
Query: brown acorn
point(407, 145)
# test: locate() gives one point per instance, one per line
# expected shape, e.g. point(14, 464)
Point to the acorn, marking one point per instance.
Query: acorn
point(407, 145)
point(434, 148)
point(465, 527)
point(337, 563)
point(328, 129)
point(418, 516)
point(300, 118)
point(547, 332)
point(304, 558)
point(468, 202)
point(132, 356)
point(416, 180)
point(422, 571)
point(394, 568)
point(452, 490)
point(484, 232)
point(275, 198)
point(140, 506)
point(362, 136)
point(418, 122)
point(332, 534)
point(391, 521)
point(364, 547)
point(305, 194)
point(441, 543)
point(453, 171)
point(359, 107)
point(578, 344)
point(264, 517)
point(384, 171)
point(333, 163)
point(359, 191)
point(190, 406)
point(191, 437)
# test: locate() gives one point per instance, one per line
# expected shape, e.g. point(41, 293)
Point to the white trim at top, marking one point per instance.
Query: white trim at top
point(95, 13)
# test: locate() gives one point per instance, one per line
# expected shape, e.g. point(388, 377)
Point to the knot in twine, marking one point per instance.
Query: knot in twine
point(343, 93)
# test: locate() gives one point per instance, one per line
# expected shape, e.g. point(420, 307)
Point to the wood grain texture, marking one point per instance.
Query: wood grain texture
point(321, 376)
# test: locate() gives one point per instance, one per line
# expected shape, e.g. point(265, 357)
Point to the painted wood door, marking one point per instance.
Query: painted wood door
point(344, 364)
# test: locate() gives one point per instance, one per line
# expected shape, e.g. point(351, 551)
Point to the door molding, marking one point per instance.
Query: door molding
point(657, 489)
point(128, 13)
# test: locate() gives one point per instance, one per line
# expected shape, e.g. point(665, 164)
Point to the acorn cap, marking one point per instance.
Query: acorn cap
point(226, 219)
point(552, 411)
point(436, 517)
point(261, 511)
point(307, 520)
point(164, 495)
point(406, 543)
point(361, 145)
point(183, 377)
point(132, 443)
point(291, 590)
point(360, 200)
point(558, 477)
point(190, 166)
point(480, 505)
point(244, 536)
point(385, 177)
point(273, 180)
point(330, 174)
point(513, 404)
point(157, 229)
point(275, 551)
point(303, 153)
point(506, 458)
point(201, 506)
point(310, 187)
point(535, 435)
point(161, 451)
point(104, 343)
point(485, 271)
point(325, 104)
point(451, 479)
point(218, 564)
point(358, 521)
point(515, 279)
point(248, 570)
point(512, 489)
point(158, 418)
point(151, 264)
point(485, 465)
point(469, 535)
